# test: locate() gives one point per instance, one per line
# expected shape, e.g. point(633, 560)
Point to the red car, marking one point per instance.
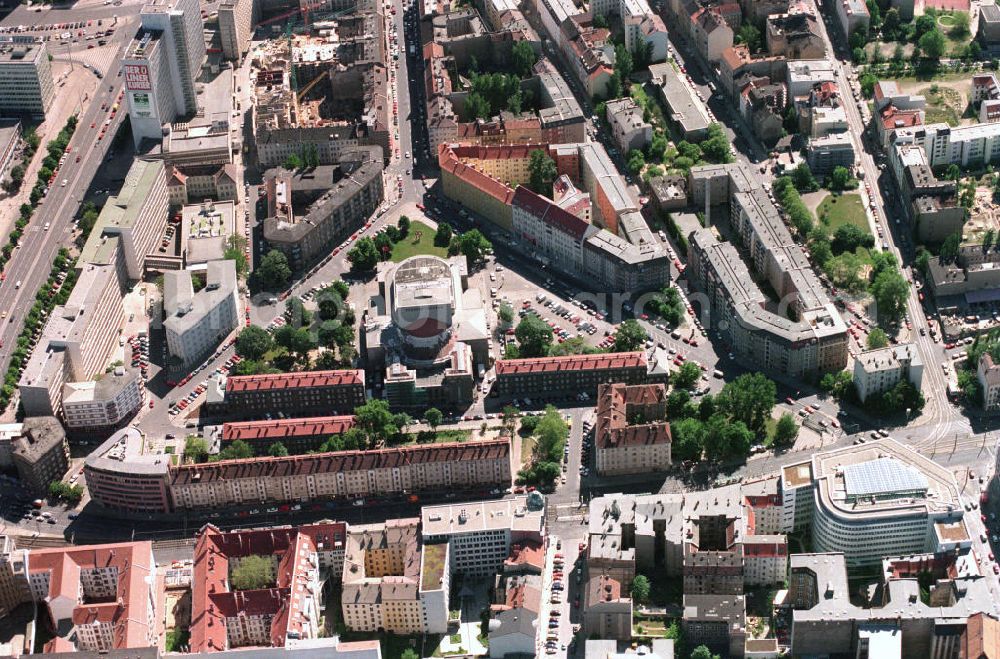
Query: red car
point(150, 403)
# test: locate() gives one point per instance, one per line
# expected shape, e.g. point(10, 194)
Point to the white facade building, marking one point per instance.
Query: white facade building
point(197, 322)
point(480, 533)
point(877, 371)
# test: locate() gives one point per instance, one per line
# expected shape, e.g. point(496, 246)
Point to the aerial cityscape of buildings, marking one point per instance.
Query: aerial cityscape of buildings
point(501, 329)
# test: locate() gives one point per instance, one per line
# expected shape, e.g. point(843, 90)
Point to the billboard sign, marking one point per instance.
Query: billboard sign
point(137, 77)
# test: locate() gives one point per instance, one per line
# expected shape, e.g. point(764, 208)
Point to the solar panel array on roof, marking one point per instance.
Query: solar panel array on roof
point(881, 477)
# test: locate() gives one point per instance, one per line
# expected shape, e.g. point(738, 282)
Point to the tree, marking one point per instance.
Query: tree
point(253, 343)
point(953, 172)
point(636, 161)
point(959, 24)
point(541, 172)
point(236, 251)
point(253, 572)
point(898, 53)
point(624, 65)
point(296, 313)
point(803, 179)
point(686, 376)
point(749, 398)
point(524, 58)
point(614, 86)
point(403, 225)
point(890, 24)
point(786, 430)
point(505, 313)
point(702, 652)
point(474, 246)
point(890, 290)
point(443, 235)
point(293, 162)
point(195, 448)
point(841, 179)
point(949, 248)
point(749, 35)
point(868, 82)
point(837, 384)
point(273, 272)
point(433, 417)
point(533, 336)
point(600, 22)
point(409, 653)
point(642, 53)
point(877, 339)
point(364, 255)
point(688, 439)
point(277, 450)
point(630, 336)
point(933, 44)
point(640, 588)
point(238, 450)
point(551, 433)
point(849, 237)
point(716, 147)
point(375, 421)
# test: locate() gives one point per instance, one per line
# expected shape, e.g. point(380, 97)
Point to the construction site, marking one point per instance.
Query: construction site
point(322, 86)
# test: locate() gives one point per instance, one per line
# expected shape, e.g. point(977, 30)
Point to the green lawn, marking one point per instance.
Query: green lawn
point(441, 436)
point(177, 639)
point(419, 241)
point(848, 208)
point(527, 449)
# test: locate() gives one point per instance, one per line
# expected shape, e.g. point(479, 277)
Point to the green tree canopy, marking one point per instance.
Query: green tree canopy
point(524, 58)
point(877, 339)
point(475, 245)
point(433, 417)
point(253, 343)
point(364, 255)
point(253, 572)
point(273, 272)
point(541, 172)
point(749, 398)
point(277, 450)
point(686, 376)
point(630, 336)
point(533, 336)
point(640, 588)
point(786, 430)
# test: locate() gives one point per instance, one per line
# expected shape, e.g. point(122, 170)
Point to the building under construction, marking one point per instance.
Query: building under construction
point(327, 88)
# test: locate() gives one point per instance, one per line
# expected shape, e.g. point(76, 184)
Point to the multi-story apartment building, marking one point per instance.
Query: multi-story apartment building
point(102, 404)
point(79, 337)
point(852, 16)
point(826, 153)
point(346, 474)
point(479, 534)
point(13, 587)
point(98, 598)
point(311, 211)
point(121, 476)
point(26, 85)
point(877, 371)
point(632, 435)
point(297, 435)
point(571, 373)
point(875, 500)
point(988, 374)
point(640, 22)
point(607, 611)
point(626, 257)
point(40, 453)
point(809, 335)
point(236, 19)
point(295, 394)
point(194, 184)
point(685, 111)
point(628, 127)
point(902, 619)
point(196, 322)
point(284, 614)
point(392, 581)
point(161, 66)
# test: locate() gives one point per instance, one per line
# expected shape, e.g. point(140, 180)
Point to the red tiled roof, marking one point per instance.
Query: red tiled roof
point(604, 361)
point(300, 380)
point(472, 176)
point(549, 213)
point(127, 613)
point(279, 428)
point(614, 429)
point(893, 117)
point(339, 461)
